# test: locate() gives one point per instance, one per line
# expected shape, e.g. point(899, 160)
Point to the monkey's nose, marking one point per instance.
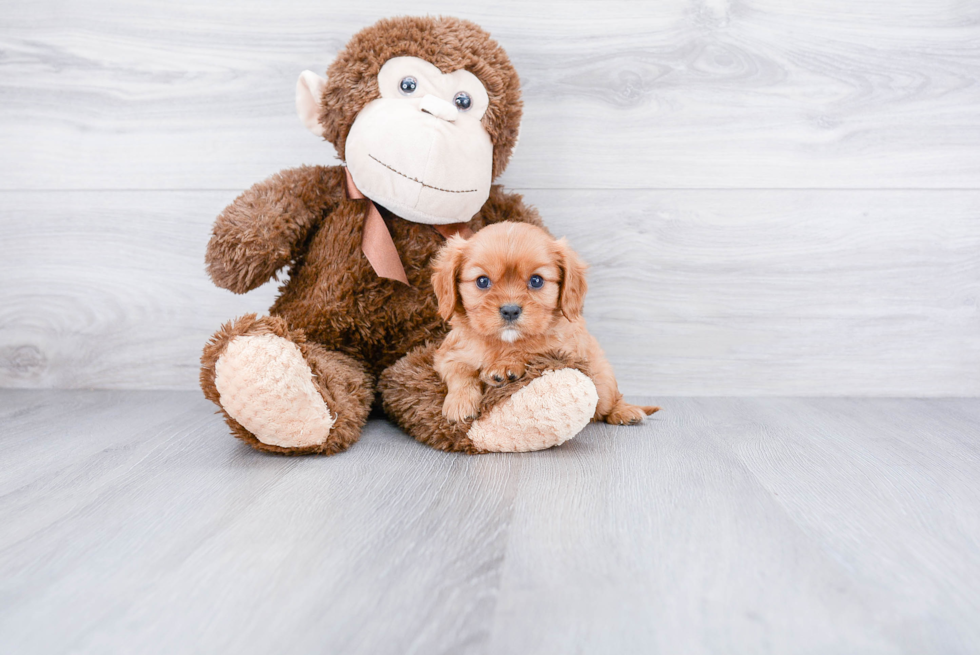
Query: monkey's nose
point(510, 312)
point(439, 108)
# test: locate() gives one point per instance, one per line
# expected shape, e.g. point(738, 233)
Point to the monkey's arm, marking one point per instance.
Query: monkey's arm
point(261, 230)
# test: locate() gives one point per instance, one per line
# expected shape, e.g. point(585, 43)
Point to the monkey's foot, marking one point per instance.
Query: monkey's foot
point(267, 386)
point(550, 410)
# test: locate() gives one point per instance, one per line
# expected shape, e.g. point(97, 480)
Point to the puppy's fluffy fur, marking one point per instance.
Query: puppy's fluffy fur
point(487, 344)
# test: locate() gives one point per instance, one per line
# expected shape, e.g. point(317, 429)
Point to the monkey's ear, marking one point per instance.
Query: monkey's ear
point(445, 276)
point(309, 90)
point(571, 294)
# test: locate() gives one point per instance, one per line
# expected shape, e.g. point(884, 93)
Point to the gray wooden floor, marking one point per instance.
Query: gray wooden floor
point(132, 523)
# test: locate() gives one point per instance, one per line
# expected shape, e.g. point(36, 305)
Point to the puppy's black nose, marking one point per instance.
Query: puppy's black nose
point(510, 312)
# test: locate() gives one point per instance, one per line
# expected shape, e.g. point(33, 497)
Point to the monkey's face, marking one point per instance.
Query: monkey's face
point(423, 143)
point(421, 150)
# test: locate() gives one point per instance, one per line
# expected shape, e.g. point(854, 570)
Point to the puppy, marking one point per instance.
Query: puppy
point(511, 292)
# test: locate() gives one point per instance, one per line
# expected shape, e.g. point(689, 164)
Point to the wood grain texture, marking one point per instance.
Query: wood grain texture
point(112, 94)
point(134, 523)
point(678, 144)
point(104, 290)
point(692, 292)
point(782, 292)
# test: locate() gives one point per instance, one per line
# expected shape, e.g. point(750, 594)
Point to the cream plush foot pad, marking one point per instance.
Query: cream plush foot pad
point(267, 386)
point(547, 412)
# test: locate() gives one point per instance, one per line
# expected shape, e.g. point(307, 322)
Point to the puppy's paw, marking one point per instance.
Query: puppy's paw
point(500, 374)
point(462, 404)
point(625, 414)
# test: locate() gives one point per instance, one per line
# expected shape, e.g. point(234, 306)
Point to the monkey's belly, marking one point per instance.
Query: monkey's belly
point(339, 301)
point(374, 327)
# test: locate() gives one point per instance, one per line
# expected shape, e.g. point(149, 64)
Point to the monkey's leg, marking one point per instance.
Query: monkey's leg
point(548, 406)
point(282, 394)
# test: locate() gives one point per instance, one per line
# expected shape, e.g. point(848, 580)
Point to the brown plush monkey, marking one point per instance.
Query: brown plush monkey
point(425, 112)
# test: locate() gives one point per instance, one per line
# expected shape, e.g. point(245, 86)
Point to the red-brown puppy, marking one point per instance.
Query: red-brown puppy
point(511, 292)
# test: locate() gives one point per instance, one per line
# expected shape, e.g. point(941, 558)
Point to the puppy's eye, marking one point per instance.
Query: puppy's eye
point(536, 282)
point(483, 282)
point(408, 85)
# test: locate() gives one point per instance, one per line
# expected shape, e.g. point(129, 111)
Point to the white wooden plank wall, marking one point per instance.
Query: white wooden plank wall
point(776, 198)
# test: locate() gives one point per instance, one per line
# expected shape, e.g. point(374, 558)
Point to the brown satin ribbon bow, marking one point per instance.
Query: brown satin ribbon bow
point(377, 244)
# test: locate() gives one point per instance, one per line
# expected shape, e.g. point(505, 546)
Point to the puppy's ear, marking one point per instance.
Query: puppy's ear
point(572, 289)
point(445, 276)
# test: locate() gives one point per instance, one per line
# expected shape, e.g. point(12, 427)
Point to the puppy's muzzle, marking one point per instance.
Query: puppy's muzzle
point(510, 312)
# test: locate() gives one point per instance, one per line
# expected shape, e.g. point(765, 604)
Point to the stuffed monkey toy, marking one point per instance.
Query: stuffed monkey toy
point(425, 112)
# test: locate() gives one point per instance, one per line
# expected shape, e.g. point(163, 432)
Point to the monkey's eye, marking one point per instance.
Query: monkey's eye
point(462, 101)
point(536, 282)
point(408, 85)
point(483, 282)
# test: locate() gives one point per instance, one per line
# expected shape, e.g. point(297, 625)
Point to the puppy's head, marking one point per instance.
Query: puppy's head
point(509, 281)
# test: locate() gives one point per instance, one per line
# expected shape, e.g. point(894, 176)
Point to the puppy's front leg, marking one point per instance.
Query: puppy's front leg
point(464, 393)
point(501, 372)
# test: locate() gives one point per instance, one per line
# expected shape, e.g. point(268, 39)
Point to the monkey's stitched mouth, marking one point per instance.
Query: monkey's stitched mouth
point(414, 179)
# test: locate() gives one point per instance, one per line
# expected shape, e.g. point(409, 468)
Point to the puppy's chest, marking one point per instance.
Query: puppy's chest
point(525, 349)
point(493, 352)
